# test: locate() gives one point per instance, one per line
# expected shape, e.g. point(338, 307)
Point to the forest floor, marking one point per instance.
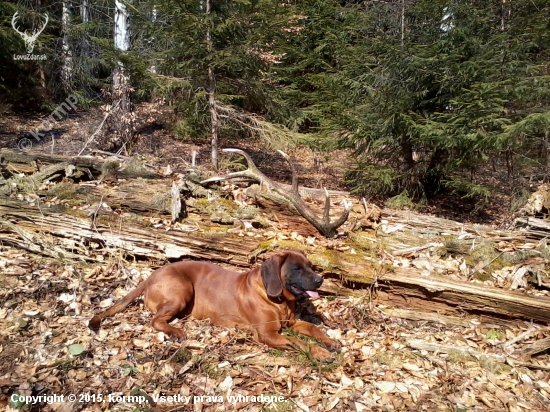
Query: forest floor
point(387, 362)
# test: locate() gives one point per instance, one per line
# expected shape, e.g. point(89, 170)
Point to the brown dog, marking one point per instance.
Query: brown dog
point(263, 298)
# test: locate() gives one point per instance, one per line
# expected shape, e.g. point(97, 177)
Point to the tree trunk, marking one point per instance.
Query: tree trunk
point(120, 124)
point(402, 23)
point(434, 171)
point(214, 121)
point(67, 67)
point(84, 45)
point(407, 158)
point(85, 11)
point(154, 13)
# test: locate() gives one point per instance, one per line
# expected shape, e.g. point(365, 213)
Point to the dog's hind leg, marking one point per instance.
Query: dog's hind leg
point(168, 300)
point(163, 316)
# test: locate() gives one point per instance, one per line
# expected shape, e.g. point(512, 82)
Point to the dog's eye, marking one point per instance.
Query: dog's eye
point(297, 266)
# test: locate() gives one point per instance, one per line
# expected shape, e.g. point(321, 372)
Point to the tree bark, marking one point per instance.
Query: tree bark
point(407, 158)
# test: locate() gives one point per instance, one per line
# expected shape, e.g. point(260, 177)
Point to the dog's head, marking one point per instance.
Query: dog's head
point(290, 270)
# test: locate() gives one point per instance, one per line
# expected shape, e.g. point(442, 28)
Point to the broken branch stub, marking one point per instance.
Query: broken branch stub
point(292, 197)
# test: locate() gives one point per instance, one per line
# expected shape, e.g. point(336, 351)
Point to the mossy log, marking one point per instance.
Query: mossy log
point(410, 288)
point(127, 186)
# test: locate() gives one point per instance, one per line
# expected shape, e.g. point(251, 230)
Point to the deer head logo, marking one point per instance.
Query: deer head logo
point(28, 39)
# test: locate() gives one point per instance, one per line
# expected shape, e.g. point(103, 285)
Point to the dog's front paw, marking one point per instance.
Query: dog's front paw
point(321, 354)
point(332, 345)
point(178, 334)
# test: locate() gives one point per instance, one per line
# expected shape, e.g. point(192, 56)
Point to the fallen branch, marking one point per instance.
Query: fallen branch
point(436, 347)
point(536, 347)
point(466, 352)
point(434, 317)
point(92, 137)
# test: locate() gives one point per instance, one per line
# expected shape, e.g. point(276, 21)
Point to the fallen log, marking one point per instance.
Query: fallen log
point(30, 162)
point(437, 226)
point(416, 315)
point(98, 237)
point(485, 359)
point(537, 347)
point(533, 227)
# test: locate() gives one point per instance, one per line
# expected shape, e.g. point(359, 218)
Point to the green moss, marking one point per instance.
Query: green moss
point(213, 231)
point(484, 277)
point(211, 369)
point(492, 260)
point(390, 358)
point(107, 219)
point(246, 213)
point(200, 204)
point(288, 244)
point(402, 201)
point(67, 191)
point(146, 223)
point(261, 222)
point(182, 355)
point(333, 260)
point(328, 259)
point(461, 357)
point(307, 359)
point(364, 240)
point(519, 256)
point(495, 334)
point(492, 365)
point(75, 213)
point(264, 247)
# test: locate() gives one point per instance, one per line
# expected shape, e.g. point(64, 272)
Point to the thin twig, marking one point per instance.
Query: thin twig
point(98, 129)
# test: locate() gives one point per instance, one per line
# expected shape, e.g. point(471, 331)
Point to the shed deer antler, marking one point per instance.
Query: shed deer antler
point(292, 196)
point(28, 39)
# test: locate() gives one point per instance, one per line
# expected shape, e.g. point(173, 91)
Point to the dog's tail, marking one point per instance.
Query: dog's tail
point(95, 322)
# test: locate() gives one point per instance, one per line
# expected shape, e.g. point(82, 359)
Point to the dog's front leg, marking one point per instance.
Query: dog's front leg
point(273, 339)
point(309, 329)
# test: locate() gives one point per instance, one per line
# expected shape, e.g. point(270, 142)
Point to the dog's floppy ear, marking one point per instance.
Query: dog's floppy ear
point(271, 275)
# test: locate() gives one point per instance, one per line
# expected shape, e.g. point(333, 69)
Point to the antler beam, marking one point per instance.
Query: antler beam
point(323, 225)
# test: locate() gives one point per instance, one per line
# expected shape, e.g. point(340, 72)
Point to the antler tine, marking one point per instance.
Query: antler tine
point(37, 32)
point(326, 211)
point(252, 172)
point(249, 161)
point(293, 169)
point(13, 21)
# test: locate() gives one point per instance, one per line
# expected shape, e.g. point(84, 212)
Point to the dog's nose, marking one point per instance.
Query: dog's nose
point(318, 282)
